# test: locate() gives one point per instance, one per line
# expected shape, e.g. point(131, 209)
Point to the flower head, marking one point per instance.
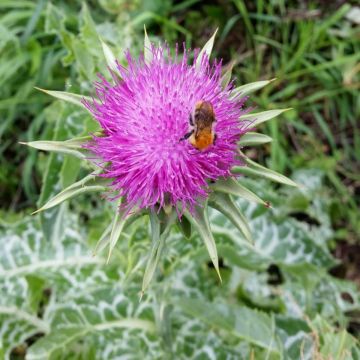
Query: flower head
point(145, 115)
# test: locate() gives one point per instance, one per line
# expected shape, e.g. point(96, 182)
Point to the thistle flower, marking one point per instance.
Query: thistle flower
point(144, 151)
point(145, 114)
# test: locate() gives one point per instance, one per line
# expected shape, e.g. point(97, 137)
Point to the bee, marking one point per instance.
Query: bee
point(202, 121)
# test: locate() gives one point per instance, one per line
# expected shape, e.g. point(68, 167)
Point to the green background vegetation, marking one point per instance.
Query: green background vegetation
point(294, 296)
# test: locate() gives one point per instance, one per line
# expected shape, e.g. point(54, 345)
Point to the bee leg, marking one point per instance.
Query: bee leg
point(215, 138)
point(191, 120)
point(187, 135)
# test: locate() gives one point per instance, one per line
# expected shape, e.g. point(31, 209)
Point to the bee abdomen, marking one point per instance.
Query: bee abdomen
point(202, 141)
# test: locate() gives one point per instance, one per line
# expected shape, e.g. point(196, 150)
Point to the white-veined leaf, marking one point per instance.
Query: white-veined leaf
point(148, 54)
point(253, 138)
point(91, 183)
point(75, 99)
point(200, 221)
point(247, 89)
point(109, 56)
point(205, 50)
point(253, 326)
point(223, 203)
point(263, 116)
point(230, 186)
point(30, 263)
point(55, 341)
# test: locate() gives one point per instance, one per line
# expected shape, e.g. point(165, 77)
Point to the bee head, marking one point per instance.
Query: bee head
point(204, 107)
point(204, 113)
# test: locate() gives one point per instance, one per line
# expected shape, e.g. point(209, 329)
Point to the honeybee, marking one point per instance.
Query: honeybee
point(202, 121)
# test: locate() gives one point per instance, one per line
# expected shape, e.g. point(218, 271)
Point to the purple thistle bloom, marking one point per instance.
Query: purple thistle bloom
point(146, 113)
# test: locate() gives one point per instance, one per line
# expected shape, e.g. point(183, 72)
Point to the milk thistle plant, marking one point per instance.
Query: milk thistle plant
point(169, 145)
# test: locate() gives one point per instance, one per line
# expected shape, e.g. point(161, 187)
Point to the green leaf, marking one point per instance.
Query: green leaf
point(261, 117)
point(75, 99)
point(256, 169)
point(57, 113)
point(242, 257)
point(283, 238)
point(205, 50)
point(334, 343)
point(109, 56)
point(116, 230)
point(200, 221)
point(253, 138)
point(250, 88)
point(90, 183)
point(84, 59)
point(223, 203)
point(148, 54)
point(295, 333)
point(230, 186)
point(158, 238)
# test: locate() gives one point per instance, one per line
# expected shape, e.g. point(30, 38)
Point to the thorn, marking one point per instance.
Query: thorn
point(216, 265)
point(268, 205)
point(40, 89)
point(300, 186)
point(108, 258)
point(141, 295)
point(22, 143)
point(218, 272)
point(145, 32)
point(36, 211)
